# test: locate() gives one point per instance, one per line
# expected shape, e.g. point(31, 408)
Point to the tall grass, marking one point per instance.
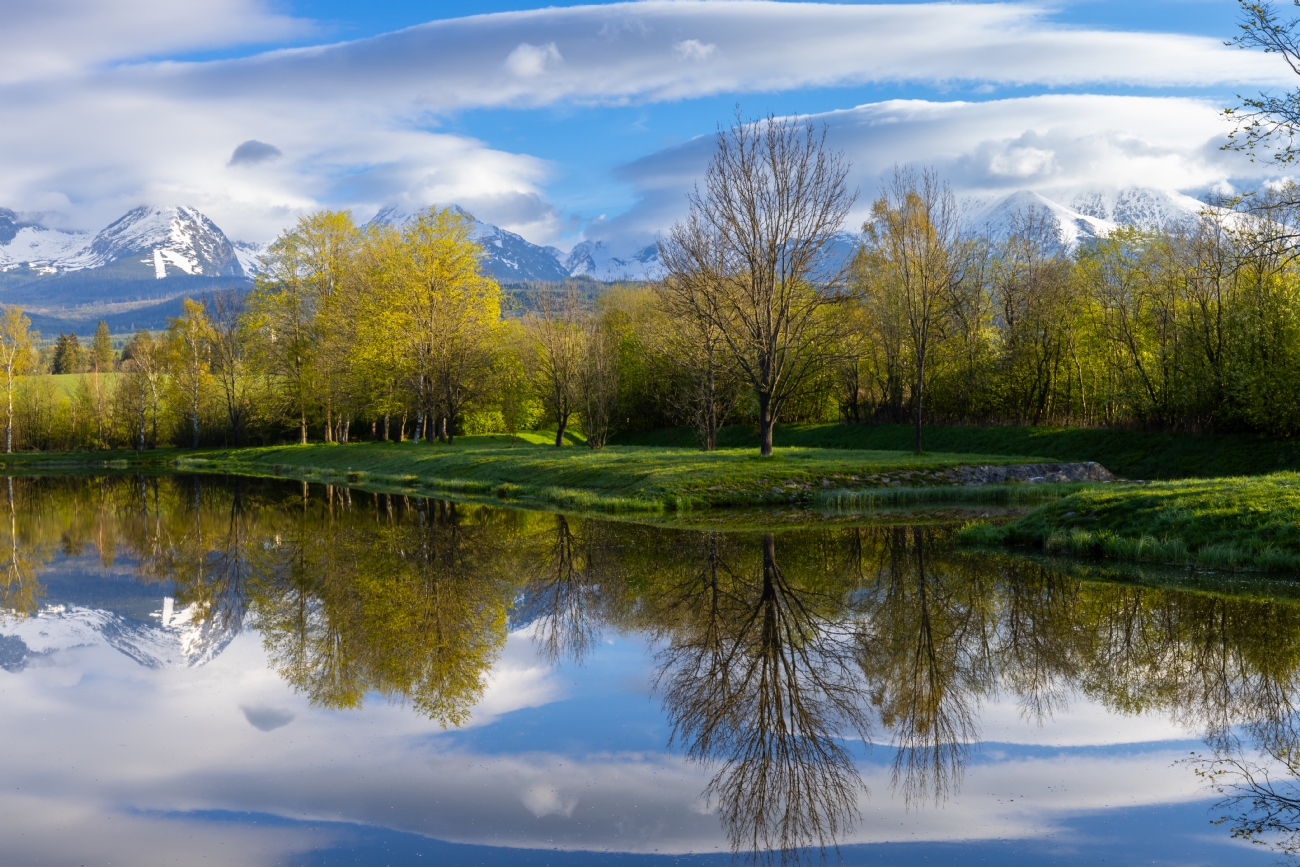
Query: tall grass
point(1249, 522)
point(1000, 495)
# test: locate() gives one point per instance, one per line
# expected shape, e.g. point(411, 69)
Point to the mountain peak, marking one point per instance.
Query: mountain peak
point(166, 237)
point(1093, 213)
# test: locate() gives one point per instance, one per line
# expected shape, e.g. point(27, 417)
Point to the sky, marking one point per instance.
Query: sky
point(573, 122)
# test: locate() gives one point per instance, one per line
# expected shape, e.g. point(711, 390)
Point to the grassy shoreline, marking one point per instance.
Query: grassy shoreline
point(1130, 454)
point(1237, 523)
point(615, 479)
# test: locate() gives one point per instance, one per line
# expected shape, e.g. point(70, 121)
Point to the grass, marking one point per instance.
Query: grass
point(615, 479)
point(1230, 524)
point(1131, 454)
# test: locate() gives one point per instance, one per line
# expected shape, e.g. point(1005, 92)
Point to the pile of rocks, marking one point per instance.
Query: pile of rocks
point(1082, 471)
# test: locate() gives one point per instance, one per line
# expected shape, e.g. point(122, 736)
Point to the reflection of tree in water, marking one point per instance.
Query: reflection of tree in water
point(759, 677)
point(20, 587)
point(562, 598)
point(407, 606)
point(927, 650)
point(773, 651)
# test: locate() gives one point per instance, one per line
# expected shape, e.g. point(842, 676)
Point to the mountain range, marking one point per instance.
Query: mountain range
point(135, 271)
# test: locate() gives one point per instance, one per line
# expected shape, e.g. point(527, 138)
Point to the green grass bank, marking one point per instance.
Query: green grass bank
point(1130, 454)
point(614, 479)
point(1231, 523)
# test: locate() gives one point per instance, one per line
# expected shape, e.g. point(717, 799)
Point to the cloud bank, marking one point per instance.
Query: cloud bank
point(1054, 144)
point(96, 123)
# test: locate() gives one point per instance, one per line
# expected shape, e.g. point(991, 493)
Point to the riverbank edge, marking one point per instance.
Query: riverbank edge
point(635, 482)
point(1227, 524)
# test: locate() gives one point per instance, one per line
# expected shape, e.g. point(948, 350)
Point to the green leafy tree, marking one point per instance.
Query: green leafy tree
point(101, 349)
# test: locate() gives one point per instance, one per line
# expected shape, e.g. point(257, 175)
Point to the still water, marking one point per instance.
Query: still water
point(261, 673)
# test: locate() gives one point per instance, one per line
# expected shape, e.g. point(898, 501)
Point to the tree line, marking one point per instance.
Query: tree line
point(766, 312)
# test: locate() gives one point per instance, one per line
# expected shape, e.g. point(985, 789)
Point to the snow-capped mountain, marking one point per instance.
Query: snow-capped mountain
point(595, 260)
point(1091, 213)
point(176, 641)
point(999, 220)
point(510, 258)
point(146, 241)
point(249, 254)
point(1139, 206)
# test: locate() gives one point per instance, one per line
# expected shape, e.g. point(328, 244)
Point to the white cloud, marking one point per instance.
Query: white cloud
point(1054, 144)
point(694, 49)
point(632, 51)
point(358, 123)
point(530, 61)
point(59, 37)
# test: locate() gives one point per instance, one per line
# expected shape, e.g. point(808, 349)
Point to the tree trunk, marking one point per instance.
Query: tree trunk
point(386, 417)
point(9, 420)
point(920, 386)
point(450, 427)
point(765, 424)
point(302, 427)
point(194, 407)
point(711, 412)
point(560, 422)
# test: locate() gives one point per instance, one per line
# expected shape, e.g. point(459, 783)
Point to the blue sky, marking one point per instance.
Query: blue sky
point(573, 121)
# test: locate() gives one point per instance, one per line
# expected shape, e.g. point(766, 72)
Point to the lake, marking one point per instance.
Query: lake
point(219, 671)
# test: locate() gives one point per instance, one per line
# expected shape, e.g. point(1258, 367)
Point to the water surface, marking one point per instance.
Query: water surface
point(219, 671)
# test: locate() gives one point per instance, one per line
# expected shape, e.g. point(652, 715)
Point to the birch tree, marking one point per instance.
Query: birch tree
point(15, 360)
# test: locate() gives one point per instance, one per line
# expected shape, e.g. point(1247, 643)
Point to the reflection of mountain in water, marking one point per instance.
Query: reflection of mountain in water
point(177, 641)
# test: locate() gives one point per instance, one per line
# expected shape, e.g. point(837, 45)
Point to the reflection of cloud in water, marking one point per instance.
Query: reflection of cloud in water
point(389, 767)
point(543, 800)
point(267, 719)
point(1080, 722)
point(65, 831)
point(517, 680)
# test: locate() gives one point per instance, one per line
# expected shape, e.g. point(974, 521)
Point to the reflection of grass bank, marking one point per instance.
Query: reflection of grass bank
point(625, 479)
point(1236, 523)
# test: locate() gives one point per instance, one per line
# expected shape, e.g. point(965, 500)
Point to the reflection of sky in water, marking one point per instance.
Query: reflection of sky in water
point(108, 759)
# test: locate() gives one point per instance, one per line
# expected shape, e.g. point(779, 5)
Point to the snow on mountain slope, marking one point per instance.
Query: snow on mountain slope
point(1093, 213)
point(176, 642)
point(44, 250)
point(168, 237)
point(1139, 206)
point(998, 221)
point(595, 260)
point(155, 241)
point(510, 258)
point(249, 254)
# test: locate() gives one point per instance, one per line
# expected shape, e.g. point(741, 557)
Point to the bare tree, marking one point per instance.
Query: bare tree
point(557, 339)
point(693, 346)
point(758, 245)
point(598, 381)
